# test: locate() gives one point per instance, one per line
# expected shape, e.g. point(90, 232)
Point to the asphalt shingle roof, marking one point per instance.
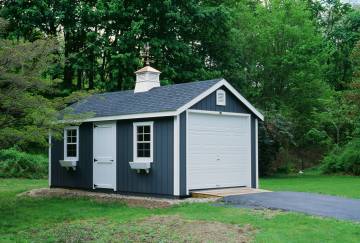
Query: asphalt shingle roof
point(159, 99)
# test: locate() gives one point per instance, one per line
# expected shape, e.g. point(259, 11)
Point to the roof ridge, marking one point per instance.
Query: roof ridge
point(169, 85)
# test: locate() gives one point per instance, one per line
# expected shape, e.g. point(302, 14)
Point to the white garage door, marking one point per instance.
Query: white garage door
point(219, 150)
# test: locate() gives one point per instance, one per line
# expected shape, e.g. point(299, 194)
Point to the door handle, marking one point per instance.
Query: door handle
point(95, 160)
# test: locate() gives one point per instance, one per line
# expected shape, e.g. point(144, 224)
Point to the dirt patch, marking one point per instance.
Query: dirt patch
point(131, 201)
point(151, 229)
point(266, 213)
point(185, 230)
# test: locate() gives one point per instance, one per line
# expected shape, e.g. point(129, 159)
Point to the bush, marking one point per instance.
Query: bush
point(344, 159)
point(14, 163)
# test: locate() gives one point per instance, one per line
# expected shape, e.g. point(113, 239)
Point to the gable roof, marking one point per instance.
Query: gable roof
point(167, 100)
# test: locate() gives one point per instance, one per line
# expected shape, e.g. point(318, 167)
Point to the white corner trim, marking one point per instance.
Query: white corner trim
point(187, 151)
point(135, 125)
point(177, 155)
point(250, 153)
point(257, 152)
point(77, 143)
point(49, 154)
point(219, 113)
point(219, 84)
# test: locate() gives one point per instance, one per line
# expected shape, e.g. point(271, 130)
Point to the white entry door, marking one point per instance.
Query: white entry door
point(104, 166)
point(219, 150)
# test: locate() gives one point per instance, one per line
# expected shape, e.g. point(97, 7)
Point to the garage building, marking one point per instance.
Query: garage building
point(163, 140)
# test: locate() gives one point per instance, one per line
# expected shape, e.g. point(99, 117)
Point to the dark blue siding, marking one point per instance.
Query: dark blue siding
point(232, 105)
point(183, 154)
point(253, 152)
point(160, 179)
point(82, 176)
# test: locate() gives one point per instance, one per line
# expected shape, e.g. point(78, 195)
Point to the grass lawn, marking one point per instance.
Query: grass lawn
point(75, 220)
point(346, 186)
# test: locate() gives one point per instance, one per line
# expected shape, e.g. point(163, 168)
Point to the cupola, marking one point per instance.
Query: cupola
point(146, 79)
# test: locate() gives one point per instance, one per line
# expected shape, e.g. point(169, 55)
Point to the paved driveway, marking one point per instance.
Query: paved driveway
point(309, 203)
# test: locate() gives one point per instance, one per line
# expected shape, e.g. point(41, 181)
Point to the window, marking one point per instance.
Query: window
point(143, 141)
point(71, 143)
point(220, 97)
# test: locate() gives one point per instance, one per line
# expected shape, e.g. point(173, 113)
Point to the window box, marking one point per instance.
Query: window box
point(140, 166)
point(68, 164)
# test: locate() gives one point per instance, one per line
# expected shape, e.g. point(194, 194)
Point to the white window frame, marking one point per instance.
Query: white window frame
point(135, 141)
point(219, 92)
point(77, 143)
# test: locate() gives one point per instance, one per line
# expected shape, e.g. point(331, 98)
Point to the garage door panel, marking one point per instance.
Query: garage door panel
point(218, 151)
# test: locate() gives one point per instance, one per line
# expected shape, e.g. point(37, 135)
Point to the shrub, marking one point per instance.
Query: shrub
point(344, 159)
point(14, 163)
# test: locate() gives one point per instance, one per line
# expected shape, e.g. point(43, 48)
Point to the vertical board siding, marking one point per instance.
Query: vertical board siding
point(183, 154)
point(232, 105)
point(160, 179)
point(82, 176)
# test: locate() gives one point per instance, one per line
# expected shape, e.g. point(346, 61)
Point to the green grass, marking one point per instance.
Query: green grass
point(36, 220)
point(339, 185)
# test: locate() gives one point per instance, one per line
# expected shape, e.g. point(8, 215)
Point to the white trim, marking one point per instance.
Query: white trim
point(219, 113)
point(130, 116)
point(77, 143)
point(49, 154)
point(219, 102)
point(187, 152)
point(250, 152)
point(176, 155)
point(135, 125)
point(257, 152)
point(219, 84)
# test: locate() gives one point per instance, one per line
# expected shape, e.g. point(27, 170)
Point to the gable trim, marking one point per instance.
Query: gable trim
point(212, 89)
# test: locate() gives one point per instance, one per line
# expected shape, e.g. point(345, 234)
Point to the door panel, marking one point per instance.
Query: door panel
point(219, 151)
point(104, 166)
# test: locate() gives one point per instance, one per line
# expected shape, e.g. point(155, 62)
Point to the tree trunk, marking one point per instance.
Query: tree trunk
point(91, 78)
point(79, 79)
point(91, 71)
point(103, 66)
point(68, 70)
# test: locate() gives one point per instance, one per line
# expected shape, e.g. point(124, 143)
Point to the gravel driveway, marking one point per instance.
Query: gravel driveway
point(309, 203)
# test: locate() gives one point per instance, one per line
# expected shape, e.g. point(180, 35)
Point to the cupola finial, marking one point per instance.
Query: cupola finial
point(146, 77)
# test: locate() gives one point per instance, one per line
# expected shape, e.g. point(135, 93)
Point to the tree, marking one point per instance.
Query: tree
point(26, 114)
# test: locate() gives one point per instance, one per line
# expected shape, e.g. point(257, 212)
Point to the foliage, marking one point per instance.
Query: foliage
point(14, 163)
point(28, 100)
point(26, 113)
point(273, 135)
point(103, 39)
point(295, 60)
point(346, 157)
point(344, 160)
